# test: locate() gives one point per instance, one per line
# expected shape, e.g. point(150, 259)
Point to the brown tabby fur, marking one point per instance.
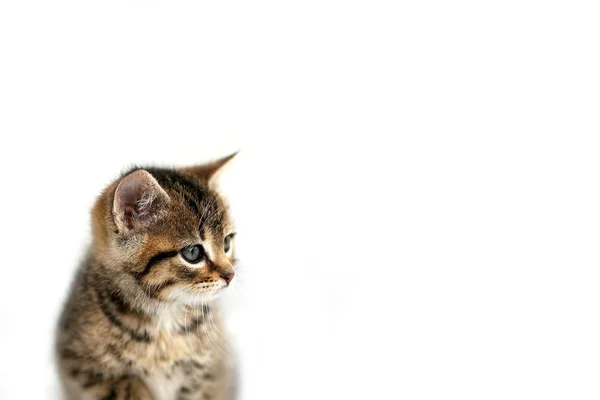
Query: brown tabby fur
point(133, 326)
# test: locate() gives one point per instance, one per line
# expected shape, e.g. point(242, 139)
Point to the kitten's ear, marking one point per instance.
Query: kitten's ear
point(209, 173)
point(138, 200)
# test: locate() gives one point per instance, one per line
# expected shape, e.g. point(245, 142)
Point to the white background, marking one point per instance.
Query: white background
point(416, 194)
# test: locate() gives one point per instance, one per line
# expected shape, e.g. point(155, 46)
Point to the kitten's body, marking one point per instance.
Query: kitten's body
point(140, 322)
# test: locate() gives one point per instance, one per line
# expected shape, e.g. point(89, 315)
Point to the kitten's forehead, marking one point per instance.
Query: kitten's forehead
point(195, 205)
point(213, 217)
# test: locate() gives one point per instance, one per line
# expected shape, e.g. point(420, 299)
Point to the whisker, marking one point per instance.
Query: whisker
point(190, 341)
point(205, 324)
point(208, 329)
point(198, 312)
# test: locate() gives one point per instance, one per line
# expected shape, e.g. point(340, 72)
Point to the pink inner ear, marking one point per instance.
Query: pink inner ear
point(129, 216)
point(137, 199)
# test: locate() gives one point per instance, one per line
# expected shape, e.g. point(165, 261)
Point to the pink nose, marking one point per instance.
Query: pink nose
point(228, 277)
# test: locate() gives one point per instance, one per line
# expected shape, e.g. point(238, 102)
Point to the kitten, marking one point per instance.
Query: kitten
point(140, 321)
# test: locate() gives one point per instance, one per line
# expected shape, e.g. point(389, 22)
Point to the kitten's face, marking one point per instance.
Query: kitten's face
point(174, 233)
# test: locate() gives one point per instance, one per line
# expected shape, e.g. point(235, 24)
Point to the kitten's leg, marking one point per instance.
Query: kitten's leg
point(209, 386)
point(130, 388)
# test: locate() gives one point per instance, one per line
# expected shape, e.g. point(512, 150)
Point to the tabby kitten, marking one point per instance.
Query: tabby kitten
point(140, 321)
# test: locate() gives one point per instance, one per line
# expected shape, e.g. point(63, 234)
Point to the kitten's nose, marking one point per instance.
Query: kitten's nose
point(228, 277)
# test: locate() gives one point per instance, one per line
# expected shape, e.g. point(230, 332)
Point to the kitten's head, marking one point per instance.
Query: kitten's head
point(167, 232)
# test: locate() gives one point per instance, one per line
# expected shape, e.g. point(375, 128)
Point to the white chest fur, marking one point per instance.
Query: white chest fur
point(163, 377)
point(163, 386)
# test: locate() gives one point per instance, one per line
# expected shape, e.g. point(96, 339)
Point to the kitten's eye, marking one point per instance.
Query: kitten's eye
point(227, 243)
point(193, 254)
